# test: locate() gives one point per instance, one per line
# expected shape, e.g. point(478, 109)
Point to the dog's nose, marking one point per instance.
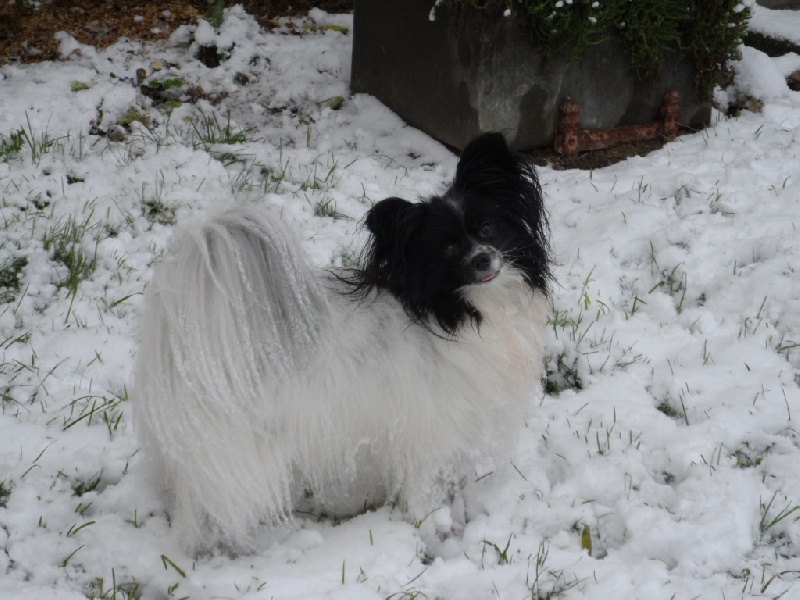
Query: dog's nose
point(482, 261)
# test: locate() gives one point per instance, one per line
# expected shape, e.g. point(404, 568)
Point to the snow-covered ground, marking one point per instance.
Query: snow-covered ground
point(668, 439)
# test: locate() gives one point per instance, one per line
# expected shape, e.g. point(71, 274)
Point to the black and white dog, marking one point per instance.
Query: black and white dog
point(264, 383)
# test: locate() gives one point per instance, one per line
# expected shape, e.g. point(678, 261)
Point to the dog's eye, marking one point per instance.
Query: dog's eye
point(485, 231)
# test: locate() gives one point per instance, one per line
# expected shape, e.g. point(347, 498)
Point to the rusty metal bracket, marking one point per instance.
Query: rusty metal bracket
point(571, 139)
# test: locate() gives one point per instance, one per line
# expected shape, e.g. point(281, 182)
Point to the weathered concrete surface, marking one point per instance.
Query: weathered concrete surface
point(461, 74)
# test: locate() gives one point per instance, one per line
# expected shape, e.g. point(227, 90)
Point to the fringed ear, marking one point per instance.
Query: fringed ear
point(383, 218)
point(392, 223)
point(485, 163)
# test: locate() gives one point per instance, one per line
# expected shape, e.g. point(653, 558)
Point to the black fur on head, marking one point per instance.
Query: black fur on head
point(491, 218)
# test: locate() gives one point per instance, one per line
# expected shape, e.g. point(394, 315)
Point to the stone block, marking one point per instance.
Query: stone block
point(463, 74)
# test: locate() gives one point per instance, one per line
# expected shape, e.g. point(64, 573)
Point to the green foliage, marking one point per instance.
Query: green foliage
point(713, 33)
point(79, 86)
point(208, 131)
point(171, 105)
point(38, 145)
point(156, 210)
point(92, 484)
point(101, 409)
point(327, 208)
point(64, 241)
point(127, 590)
point(216, 13)
point(133, 114)
point(543, 582)
point(646, 22)
point(10, 271)
point(770, 517)
point(163, 91)
point(336, 102)
point(5, 492)
point(175, 82)
point(563, 375)
point(586, 539)
point(709, 31)
point(571, 28)
point(666, 408)
point(11, 145)
point(337, 28)
point(502, 554)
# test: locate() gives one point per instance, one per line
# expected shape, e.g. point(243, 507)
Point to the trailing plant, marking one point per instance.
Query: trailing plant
point(708, 31)
point(649, 27)
point(714, 30)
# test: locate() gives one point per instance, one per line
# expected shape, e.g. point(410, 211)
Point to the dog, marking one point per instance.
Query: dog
point(264, 384)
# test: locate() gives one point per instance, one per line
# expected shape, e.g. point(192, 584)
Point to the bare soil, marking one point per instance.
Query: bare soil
point(595, 159)
point(26, 33)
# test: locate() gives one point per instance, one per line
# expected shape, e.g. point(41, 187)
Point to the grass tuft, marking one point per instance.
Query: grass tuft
point(666, 408)
point(80, 488)
point(216, 13)
point(91, 408)
point(546, 583)
point(39, 145)
point(156, 211)
point(65, 243)
point(326, 207)
point(5, 492)
point(130, 590)
point(12, 145)
point(10, 282)
point(502, 554)
point(207, 131)
point(133, 115)
point(563, 375)
point(770, 518)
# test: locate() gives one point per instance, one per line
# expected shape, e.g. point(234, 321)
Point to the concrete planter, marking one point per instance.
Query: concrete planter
point(463, 74)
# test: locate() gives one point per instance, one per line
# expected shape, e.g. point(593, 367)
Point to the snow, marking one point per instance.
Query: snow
point(674, 337)
point(780, 24)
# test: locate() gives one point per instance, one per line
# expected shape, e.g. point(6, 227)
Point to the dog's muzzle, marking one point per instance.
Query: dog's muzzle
point(483, 264)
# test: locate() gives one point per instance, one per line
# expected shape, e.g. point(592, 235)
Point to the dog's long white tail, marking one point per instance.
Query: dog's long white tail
point(228, 316)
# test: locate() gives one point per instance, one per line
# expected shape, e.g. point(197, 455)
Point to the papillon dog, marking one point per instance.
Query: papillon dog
point(265, 385)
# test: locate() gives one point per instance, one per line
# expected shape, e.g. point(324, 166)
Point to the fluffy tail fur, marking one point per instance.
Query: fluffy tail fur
point(237, 302)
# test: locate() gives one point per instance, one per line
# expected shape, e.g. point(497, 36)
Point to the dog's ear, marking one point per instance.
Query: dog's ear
point(484, 163)
point(386, 216)
point(387, 261)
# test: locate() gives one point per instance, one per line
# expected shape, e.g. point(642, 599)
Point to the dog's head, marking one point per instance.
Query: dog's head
point(490, 220)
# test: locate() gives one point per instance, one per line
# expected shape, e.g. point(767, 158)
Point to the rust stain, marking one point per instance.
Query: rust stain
point(571, 139)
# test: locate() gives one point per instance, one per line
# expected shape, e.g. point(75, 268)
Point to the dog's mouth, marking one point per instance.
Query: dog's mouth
point(483, 265)
point(486, 265)
point(487, 275)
